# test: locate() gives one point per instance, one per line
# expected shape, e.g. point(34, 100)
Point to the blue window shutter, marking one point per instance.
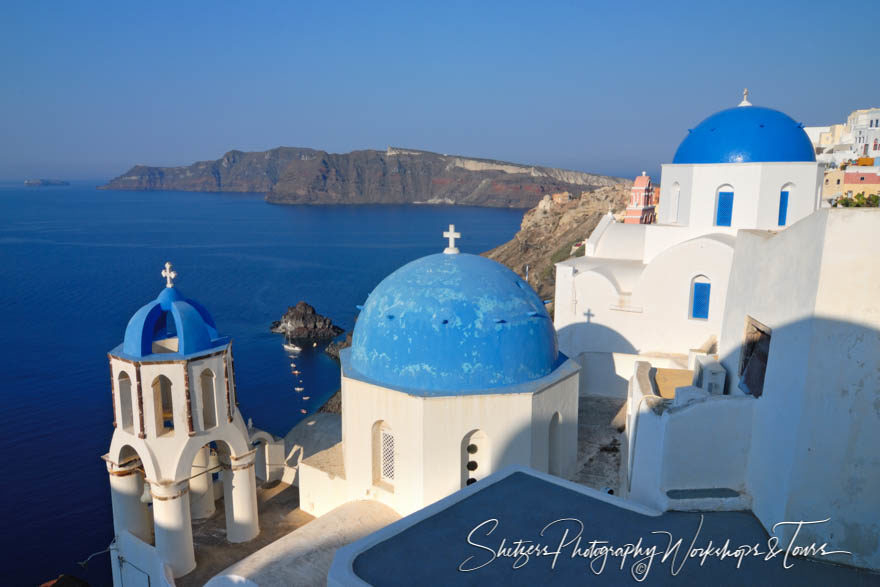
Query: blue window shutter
point(725, 209)
point(700, 307)
point(783, 207)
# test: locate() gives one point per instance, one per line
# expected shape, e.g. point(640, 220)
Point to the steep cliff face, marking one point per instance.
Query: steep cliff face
point(549, 232)
point(236, 171)
point(396, 176)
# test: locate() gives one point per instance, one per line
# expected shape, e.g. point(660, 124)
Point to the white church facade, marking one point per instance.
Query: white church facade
point(643, 288)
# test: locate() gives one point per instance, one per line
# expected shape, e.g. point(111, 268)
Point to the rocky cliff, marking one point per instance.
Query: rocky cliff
point(291, 175)
point(550, 231)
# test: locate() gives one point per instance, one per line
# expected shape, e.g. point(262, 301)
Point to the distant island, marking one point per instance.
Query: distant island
point(44, 182)
point(292, 175)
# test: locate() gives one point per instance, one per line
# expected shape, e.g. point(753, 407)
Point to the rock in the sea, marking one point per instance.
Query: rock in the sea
point(302, 322)
point(334, 347)
point(333, 405)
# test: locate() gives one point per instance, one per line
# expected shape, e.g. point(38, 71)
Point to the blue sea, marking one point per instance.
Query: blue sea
point(76, 263)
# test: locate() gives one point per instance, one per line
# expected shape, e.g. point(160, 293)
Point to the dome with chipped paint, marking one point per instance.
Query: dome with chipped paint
point(451, 323)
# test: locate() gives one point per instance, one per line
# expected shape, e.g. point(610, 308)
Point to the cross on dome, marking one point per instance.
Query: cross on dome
point(745, 101)
point(451, 235)
point(168, 274)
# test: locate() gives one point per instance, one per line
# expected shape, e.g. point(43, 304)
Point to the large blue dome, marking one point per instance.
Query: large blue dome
point(171, 316)
point(452, 323)
point(746, 134)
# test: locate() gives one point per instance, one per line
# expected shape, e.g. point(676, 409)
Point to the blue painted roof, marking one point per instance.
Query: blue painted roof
point(451, 324)
point(746, 134)
point(170, 315)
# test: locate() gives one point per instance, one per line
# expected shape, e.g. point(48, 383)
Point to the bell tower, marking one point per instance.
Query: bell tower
point(176, 424)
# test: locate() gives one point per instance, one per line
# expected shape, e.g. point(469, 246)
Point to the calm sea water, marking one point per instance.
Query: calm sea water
point(76, 263)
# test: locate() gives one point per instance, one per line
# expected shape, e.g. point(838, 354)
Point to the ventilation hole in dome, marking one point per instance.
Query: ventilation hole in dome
point(472, 466)
point(500, 321)
point(761, 125)
point(471, 481)
point(391, 316)
point(445, 322)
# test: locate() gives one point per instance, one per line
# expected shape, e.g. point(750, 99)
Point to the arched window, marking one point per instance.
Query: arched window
point(475, 457)
point(383, 456)
point(123, 387)
point(724, 206)
point(209, 402)
point(163, 405)
point(555, 446)
point(783, 204)
point(674, 195)
point(700, 291)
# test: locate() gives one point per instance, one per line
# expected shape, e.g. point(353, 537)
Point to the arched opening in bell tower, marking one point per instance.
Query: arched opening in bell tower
point(163, 405)
point(126, 409)
point(209, 399)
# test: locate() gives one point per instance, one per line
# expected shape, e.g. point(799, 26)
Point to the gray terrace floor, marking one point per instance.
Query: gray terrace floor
point(279, 515)
point(431, 551)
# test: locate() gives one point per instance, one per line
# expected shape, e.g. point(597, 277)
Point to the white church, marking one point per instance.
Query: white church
point(742, 330)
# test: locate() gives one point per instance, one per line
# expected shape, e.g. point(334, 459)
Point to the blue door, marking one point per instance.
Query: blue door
point(783, 207)
point(725, 209)
point(700, 307)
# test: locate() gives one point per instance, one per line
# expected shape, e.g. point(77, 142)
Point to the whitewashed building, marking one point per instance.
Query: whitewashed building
point(642, 288)
point(744, 332)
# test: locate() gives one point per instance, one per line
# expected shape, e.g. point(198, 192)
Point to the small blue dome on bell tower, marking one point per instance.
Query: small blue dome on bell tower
point(170, 324)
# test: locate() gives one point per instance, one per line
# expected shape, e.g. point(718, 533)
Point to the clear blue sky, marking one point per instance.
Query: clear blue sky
point(91, 88)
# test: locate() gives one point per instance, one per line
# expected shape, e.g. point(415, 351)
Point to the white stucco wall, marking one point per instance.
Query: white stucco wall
point(756, 188)
point(817, 425)
point(429, 434)
point(654, 315)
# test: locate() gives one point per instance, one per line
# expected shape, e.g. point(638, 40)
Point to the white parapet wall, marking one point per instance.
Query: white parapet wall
point(141, 564)
point(699, 444)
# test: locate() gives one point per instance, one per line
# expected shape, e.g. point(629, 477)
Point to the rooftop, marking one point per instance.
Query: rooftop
point(518, 503)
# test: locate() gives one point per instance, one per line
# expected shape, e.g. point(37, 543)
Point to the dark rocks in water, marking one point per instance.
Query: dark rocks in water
point(332, 405)
point(45, 182)
point(337, 345)
point(302, 322)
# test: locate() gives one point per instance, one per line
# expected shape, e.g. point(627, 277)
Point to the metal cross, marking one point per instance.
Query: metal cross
point(168, 274)
point(451, 235)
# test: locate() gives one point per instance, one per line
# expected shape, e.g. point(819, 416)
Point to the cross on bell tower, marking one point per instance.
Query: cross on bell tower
point(168, 274)
point(451, 235)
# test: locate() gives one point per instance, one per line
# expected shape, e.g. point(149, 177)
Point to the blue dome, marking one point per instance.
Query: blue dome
point(169, 316)
point(746, 134)
point(453, 323)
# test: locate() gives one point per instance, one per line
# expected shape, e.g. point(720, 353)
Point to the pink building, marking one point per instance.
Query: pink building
point(641, 202)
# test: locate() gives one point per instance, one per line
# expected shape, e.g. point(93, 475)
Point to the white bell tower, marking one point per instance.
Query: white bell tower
point(176, 424)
